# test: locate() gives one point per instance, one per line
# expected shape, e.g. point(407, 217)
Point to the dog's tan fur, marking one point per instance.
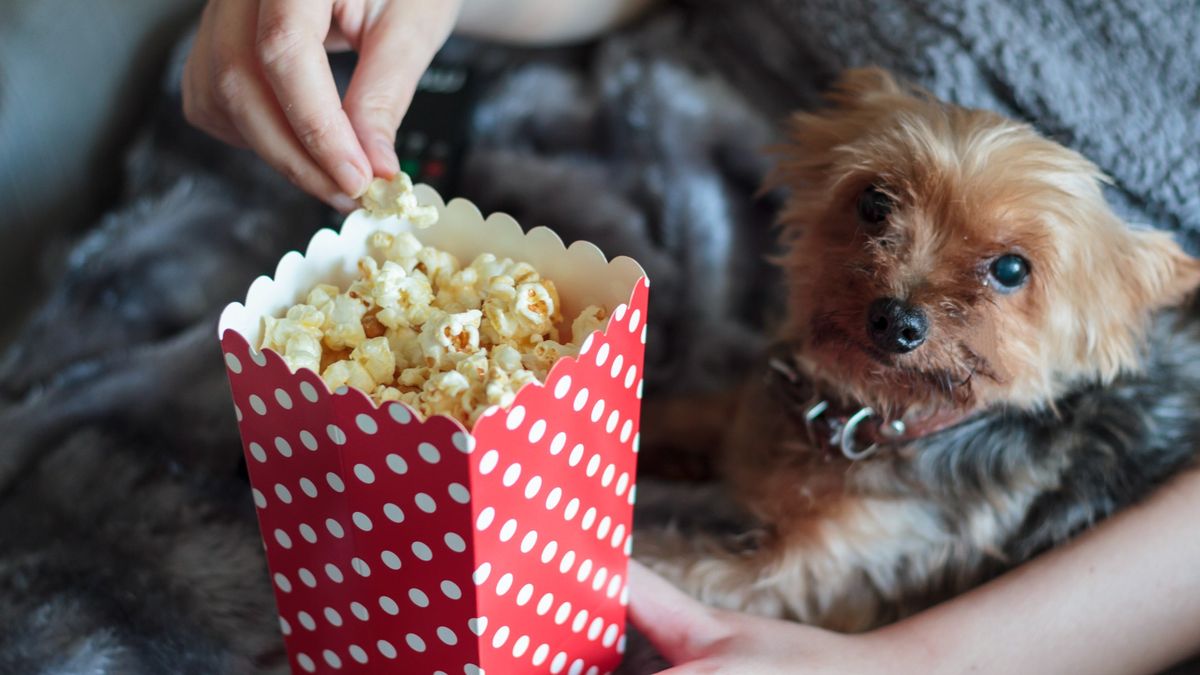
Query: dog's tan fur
point(849, 545)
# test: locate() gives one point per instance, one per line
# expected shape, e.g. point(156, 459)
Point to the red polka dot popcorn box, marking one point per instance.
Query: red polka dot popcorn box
point(400, 544)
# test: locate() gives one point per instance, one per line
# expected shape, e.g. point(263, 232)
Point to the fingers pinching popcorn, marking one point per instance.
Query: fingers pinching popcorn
point(418, 327)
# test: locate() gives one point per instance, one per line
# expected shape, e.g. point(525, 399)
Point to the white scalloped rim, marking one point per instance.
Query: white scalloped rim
point(583, 275)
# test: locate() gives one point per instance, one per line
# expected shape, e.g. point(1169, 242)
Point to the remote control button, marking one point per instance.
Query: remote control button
point(434, 169)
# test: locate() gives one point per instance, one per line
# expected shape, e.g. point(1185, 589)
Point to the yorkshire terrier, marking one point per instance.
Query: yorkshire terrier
point(980, 360)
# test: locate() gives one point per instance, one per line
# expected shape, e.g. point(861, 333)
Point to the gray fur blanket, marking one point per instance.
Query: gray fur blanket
point(127, 541)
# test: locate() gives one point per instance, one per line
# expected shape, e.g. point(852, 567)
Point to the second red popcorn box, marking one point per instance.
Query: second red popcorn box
point(402, 545)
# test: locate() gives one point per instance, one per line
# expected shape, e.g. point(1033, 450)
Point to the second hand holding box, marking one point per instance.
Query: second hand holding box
point(402, 545)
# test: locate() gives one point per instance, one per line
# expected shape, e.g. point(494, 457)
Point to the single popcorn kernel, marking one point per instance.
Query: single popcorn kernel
point(375, 356)
point(506, 358)
point(322, 295)
point(419, 328)
point(536, 304)
point(437, 266)
point(348, 374)
point(405, 346)
point(590, 320)
point(371, 326)
point(384, 393)
point(343, 326)
point(297, 336)
point(401, 249)
point(446, 334)
point(544, 354)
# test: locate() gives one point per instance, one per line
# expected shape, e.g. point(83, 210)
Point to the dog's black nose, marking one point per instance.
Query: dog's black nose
point(896, 326)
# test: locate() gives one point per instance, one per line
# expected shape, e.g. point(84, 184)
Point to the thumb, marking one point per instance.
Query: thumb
point(678, 626)
point(394, 50)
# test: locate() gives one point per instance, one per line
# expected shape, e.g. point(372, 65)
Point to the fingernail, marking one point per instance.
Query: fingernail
point(350, 178)
point(343, 203)
point(388, 152)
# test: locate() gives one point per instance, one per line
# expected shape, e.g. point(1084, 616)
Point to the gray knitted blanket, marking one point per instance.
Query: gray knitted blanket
point(127, 542)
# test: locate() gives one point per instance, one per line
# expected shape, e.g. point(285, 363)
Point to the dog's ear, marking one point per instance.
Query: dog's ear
point(1139, 272)
point(861, 87)
point(1163, 274)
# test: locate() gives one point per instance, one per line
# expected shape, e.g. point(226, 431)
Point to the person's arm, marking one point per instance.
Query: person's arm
point(545, 22)
point(258, 75)
point(1123, 599)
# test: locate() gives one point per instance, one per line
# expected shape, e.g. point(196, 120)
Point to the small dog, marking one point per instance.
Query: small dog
point(980, 361)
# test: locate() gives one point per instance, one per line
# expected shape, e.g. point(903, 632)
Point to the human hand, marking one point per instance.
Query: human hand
point(701, 640)
point(258, 76)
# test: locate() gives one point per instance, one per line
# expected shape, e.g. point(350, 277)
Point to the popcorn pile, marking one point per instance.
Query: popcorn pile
point(420, 328)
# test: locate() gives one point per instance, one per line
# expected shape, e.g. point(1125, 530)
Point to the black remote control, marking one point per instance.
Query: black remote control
point(432, 139)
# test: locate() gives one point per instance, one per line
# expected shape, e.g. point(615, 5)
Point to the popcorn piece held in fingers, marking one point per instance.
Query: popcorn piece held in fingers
point(396, 198)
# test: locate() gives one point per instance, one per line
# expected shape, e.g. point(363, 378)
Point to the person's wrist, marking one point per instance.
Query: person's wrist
point(905, 647)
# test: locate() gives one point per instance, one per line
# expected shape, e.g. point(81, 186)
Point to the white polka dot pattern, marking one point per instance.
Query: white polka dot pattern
point(394, 541)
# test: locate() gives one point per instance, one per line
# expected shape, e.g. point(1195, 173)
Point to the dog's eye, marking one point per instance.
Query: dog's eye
point(874, 207)
point(1010, 271)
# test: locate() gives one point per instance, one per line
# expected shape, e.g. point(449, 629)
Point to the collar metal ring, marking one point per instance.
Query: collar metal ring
point(811, 415)
point(847, 440)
